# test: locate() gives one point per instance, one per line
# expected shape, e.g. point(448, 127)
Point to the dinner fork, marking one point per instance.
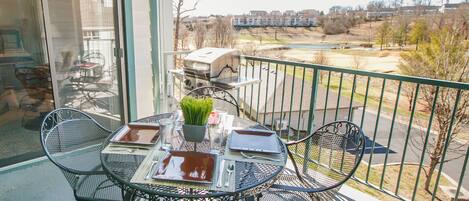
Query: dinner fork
point(258, 157)
point(230, 171)
point(152, 167)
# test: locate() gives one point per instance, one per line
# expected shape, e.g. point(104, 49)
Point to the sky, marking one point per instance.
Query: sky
point(225, 7)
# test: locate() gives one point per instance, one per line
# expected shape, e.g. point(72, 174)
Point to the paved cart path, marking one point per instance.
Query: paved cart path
point(414, 151)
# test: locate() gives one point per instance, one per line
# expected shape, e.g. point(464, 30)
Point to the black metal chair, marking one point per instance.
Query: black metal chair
point(72, 140)
point(80, 76)
point(216, 93)
point(332, 155)
point(102, 91)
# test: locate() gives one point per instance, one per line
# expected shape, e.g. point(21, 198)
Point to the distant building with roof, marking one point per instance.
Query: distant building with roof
point(413, 10)
point(258, 13)
point(381, 13)
point(449, 7)
point(289, 18)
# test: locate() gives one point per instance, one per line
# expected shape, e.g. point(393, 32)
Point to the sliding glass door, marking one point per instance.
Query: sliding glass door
point(26, 94)
point(56, 53)
point(82, 43)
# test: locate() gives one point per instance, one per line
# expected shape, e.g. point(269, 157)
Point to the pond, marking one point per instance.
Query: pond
point(320, 46)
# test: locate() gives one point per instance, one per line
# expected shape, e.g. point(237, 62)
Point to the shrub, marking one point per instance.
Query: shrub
point(332, 27)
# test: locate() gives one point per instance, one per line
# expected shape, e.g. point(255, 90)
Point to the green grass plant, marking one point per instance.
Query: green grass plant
point(196, 110)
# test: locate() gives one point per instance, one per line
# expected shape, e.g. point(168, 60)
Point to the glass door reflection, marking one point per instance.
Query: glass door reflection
point(82, 37)
point(26, 94)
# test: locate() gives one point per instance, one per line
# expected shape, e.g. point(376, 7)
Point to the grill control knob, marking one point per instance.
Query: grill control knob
point(187, 82)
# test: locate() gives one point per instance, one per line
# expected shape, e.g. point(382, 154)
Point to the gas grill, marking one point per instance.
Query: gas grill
point(214, 67)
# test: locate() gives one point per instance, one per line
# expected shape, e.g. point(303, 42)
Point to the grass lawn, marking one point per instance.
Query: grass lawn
point(265, 39)
point(406, 186)
point(363, 53)
point(374, 92)
point(421, 115)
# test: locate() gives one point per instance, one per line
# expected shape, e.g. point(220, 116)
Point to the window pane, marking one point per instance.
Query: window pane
point(25, 82)
point(83, 44)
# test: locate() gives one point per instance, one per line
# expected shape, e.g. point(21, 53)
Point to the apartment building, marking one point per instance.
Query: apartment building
point(414, 10)
point(289, 18)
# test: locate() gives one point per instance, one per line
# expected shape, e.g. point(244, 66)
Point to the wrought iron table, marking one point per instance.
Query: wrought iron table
point(250, 178)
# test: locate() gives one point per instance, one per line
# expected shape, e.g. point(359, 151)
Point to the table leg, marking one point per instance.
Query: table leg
point(250, 198)
point(127, 196)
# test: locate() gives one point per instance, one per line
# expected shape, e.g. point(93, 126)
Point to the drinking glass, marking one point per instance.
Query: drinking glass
point(167, 137)
point(178, 120)
point(216, 135)
point(216, 139)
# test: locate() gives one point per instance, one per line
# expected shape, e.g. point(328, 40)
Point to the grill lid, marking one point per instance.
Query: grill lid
point(209, 55)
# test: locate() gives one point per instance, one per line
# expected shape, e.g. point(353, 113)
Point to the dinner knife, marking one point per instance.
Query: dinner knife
point(220, 174)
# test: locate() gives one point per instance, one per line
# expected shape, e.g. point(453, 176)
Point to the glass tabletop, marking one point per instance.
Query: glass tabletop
point(250, 177)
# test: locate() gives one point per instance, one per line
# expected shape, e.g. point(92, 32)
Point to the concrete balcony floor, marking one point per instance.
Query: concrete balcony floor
point(40, 180)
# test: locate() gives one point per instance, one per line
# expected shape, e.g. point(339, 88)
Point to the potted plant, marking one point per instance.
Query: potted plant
point(196, 112)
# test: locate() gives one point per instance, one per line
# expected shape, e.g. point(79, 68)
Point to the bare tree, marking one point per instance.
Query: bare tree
point(223, 33)
point(443, 57)
point(358, 62)
point(180, 15)
point(200, 34)
point(401, 31)
point(383, 33)
point(409, 92)
point(275, 32)
point(321, 58)
point(183, 37)
point(249, 49)
point(419, 33)
point(375, 5)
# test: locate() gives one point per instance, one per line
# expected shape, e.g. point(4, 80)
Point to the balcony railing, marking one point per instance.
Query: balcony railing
point(401, 116)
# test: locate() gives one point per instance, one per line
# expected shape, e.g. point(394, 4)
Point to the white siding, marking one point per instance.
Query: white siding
point(143, 60)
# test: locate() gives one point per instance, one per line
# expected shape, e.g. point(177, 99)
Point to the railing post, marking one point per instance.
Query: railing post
point(448, 140)
point(312, 108)
point(291, 101)
point(461, 178)
point(409, 129)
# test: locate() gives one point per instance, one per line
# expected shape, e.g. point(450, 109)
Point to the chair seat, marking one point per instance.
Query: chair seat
point(288, 178)
point(97, 187)
point(282, 195)
point(285, 195)
point(324, 161)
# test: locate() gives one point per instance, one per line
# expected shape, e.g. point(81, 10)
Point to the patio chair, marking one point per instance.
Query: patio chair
point(71, 140)
point(220, 95)
point(82, 75)
point(332, 154)
point(103, 92)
